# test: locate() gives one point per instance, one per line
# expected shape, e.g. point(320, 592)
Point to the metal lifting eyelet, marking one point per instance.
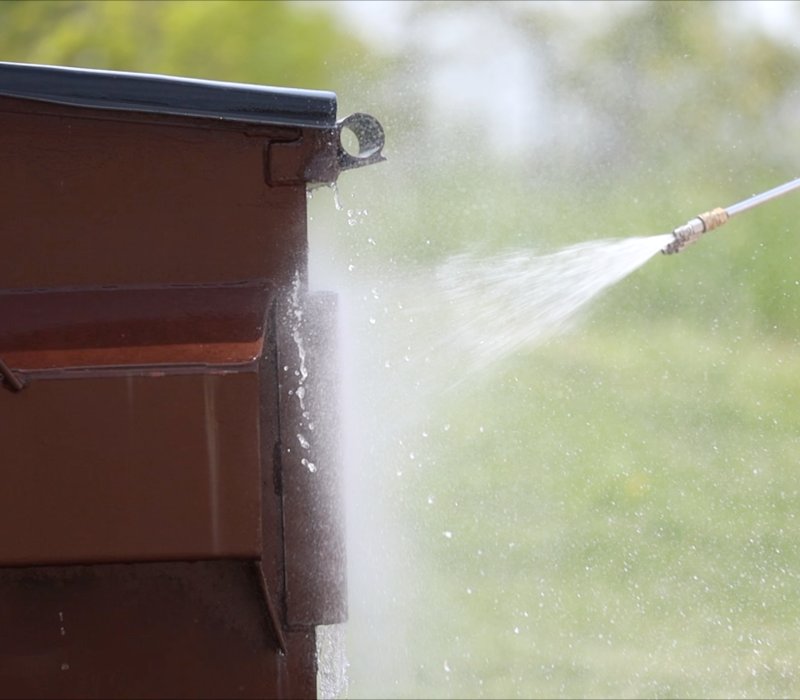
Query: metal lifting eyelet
point(370, 136)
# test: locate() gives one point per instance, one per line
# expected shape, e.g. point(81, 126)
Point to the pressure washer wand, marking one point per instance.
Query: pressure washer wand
point(693, 229)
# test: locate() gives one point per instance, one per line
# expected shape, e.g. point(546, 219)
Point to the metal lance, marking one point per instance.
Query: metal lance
point(696, 227)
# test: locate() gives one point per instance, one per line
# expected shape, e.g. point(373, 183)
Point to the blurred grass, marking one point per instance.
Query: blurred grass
point(613, 515)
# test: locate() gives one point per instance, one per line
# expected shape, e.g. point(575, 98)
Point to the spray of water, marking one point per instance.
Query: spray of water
point(503, 303)
point(406, 337)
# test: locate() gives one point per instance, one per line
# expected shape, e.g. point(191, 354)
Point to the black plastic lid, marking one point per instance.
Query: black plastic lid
point(159, 94)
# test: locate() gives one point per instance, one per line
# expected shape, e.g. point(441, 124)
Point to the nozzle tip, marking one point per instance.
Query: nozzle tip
point(674, 246)
point(685, 235)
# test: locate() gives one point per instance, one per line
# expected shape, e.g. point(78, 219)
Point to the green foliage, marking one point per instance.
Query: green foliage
point(272, 43)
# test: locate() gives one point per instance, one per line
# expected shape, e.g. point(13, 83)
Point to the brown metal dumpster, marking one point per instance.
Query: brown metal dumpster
point(170, 517)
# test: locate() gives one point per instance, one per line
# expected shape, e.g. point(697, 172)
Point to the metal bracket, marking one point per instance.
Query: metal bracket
point(13, 380)
point(317, 156)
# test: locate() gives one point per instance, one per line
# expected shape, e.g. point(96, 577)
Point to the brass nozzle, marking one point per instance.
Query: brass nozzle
point(693, 229)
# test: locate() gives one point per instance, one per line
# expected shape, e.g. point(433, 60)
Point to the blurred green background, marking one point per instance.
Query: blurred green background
point(614, 513)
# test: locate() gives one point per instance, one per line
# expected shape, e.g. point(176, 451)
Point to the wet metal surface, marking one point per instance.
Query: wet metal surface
point(135, 468)
point(145, 631)
point(170, 522)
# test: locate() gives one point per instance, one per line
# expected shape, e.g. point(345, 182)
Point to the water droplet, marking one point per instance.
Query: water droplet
point(337, 202)
point(309, 465)
point(448, 534)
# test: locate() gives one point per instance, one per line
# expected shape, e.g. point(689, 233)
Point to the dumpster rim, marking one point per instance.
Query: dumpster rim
point(170, 95)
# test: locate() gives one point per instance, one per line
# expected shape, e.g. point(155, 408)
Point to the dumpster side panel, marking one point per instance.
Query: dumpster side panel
point(92, 200)
point(165, 530)
point(130, 468)
point(145, 631)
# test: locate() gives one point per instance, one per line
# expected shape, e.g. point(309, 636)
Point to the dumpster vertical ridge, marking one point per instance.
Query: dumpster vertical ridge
point(310, 459)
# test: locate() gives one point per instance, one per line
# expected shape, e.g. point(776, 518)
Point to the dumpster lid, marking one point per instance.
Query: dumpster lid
point(160, 94)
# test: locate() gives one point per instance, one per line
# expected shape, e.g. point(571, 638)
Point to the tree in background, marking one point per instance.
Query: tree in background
point(271, 43)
